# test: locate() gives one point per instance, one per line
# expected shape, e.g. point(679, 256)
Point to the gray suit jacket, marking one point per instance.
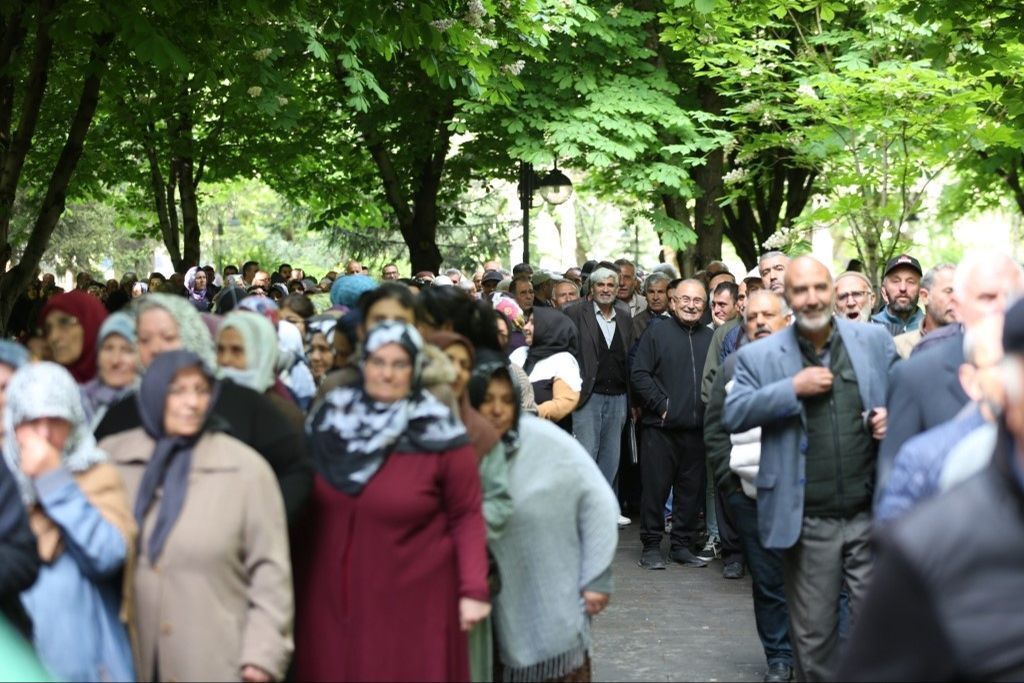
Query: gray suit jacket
point(763, 396)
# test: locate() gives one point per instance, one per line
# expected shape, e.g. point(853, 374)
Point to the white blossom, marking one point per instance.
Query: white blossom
point(735, 176)
point(260, 55)
point(475, 14)
point(808, 91)
point(442, 25)
point(282, 100)
point(255, 91)
point(515, 68)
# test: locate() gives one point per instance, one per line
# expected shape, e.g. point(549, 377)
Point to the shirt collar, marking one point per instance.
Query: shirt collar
point(597, 312)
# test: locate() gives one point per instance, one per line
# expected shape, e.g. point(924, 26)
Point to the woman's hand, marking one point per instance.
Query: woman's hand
point(38, 456)
point(596, 602)
point(254, 674)
point(471, 612)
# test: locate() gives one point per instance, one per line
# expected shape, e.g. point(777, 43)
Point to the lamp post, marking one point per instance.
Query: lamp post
point(555, 188)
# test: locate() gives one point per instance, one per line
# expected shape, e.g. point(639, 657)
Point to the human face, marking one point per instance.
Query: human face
point(154, 283)
point(657, 296)
point(118, 361)
point(56, 430)
point(261, 279)
point(627, 282)
point(387, 374)
point(385, 310)
point(200, 281)
point(230, 349)
point(604, 292)
point(459, 356)
point(502, 332)
point(321, 355)
point(689, 302)
point(188, 400)
point(353, 268)
point(6, 372)
point(764, 316)
point(741, 298)
point(499, 404)
point(390, 273)
point(723, 308)
point(902, 290)
point(65, 335)
point(810, 293)
point(986, 293)
point(488, 287)
point(294, 318)
point(157, 332)
point(773, 273)
point(528, 330)
point(285, 272)
point(938, 299)
point(854, 299)
point(524, 294)
point(565, 294)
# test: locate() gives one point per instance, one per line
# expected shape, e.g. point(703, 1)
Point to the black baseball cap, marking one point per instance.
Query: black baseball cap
point(903, 260)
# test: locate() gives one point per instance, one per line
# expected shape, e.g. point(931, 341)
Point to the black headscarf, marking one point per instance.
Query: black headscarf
point(553, 333)
point(171, 462)
point(491, 364)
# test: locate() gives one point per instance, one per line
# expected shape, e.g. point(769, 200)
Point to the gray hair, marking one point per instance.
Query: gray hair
point(562, 281)
point(453, 271)
point(784, 308)
point(602, 274)
point(984, 259)
point(667, 269)
point(656, 276)
point(770, 254)
point(929, 278)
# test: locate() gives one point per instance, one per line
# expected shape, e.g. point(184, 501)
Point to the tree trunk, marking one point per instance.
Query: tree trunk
point(14, 281)
point(163, 197)
point(187, 184)
point(708, 221)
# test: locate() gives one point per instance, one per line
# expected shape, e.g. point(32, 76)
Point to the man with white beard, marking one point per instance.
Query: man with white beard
point(817, 389)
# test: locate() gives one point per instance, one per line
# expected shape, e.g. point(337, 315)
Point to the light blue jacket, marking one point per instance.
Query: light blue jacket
point(75, 602)
point(763, 396)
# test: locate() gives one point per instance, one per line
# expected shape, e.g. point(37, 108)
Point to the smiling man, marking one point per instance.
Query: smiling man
point(901, 283)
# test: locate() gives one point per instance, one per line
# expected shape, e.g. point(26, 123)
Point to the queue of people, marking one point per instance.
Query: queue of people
point(426, 478)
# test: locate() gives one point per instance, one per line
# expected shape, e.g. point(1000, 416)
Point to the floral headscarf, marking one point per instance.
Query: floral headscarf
point(195, 336)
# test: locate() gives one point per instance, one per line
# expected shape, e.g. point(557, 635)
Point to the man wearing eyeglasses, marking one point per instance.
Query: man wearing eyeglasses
point(855, 299)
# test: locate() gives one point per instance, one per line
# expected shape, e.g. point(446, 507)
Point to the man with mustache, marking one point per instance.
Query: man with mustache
point(901, 283)
point(817, 390)
point(855, 298)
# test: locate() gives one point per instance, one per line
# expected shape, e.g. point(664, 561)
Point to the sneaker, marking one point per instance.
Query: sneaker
point(778, 672)
point(733, 570)
point(651, 558)
point(684, 557)
point(712, 550)
point(624, 521)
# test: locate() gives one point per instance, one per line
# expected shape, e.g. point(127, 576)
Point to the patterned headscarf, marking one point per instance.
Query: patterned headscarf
point(195, 336)
point(190, 285)
point(13, 354)
point(90, 313)
point(40, 390)
point(260, 341)
point(352, 435)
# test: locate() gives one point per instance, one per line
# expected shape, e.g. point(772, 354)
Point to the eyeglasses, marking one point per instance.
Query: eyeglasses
point(686, 301)
point(856, 296)
point(61, 323)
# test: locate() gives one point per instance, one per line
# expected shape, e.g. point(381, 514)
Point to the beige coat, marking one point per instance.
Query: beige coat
point(220, 596)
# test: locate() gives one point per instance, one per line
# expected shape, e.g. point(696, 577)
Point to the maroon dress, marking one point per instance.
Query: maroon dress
point(382, 573)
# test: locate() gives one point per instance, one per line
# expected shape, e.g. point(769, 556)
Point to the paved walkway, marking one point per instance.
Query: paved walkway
point(680, 624)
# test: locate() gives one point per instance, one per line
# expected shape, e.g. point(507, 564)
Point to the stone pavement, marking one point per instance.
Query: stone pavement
point(681, 624)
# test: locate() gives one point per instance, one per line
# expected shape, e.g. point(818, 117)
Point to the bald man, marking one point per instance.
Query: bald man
point(817, 391)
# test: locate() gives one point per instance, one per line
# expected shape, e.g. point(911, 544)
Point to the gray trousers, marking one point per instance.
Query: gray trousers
point(829, 552)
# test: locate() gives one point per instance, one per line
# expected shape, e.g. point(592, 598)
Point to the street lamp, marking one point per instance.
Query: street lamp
point(555, 188)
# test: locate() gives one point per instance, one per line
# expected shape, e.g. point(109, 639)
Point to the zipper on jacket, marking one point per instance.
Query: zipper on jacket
point(665, 416)
point(693, 369)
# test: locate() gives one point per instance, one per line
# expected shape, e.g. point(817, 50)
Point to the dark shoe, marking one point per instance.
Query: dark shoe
point(733, 570)
point(712, 550)
point(684, 557)
point(651, 558)
point(778, 672)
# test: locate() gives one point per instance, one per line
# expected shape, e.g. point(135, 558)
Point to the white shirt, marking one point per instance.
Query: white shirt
point(563, 366)
point(607, 325)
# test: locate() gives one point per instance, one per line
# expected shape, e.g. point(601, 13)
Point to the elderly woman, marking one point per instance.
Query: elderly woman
point(213, 593)
point(199, 295)
point(396, 569)
point(71, 322)
point(84, 529)
point(556, 550)
point(549, 359)
point(118, 367)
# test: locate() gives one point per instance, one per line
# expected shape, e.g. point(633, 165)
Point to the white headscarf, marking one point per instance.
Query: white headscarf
point(260, 341)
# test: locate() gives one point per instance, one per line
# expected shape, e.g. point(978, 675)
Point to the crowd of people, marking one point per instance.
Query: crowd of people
point(258, 476)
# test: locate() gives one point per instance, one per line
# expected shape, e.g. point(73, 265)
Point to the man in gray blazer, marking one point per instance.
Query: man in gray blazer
point(817, 390)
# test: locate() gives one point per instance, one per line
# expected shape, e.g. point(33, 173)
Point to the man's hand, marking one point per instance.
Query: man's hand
point(595, 602)
point(812, 381)
point(254, 674)
point(878, 423)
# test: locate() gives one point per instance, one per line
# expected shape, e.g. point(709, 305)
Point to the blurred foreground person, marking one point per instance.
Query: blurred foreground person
point(213, 589)
point(556, 550)
point(85, 534)
point(394, 568)
point(71, 322)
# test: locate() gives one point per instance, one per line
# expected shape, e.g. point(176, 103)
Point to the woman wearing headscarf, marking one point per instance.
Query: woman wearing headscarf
point(292, 369)
point(247, 355)
point(320, 331)
point(556, 550)
point(85, 534)
point(71, 323)
point(199, 295)
point(550, 361)
point(118, 367)
point(166, 323)
point(396, 569)
point(493, 467)
point(213, 593)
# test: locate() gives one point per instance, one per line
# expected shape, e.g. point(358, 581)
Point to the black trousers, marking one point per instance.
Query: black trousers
point(671, 460)
point(728, 528)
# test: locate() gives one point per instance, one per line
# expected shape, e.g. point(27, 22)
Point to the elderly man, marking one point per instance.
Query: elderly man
point(564, 293)
point(728, 455)
point(656, 294)
point(946, 600)
point(817, 390)
point(521, 290)
point(543, 286)
point(666, 384)
point(606, 333)
point(937, 298)
point(627, 293)
point(390, 272)
point(901, 283)
point(772, 267)
point(353, 267)
point(855, 298)
point(261, 279)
